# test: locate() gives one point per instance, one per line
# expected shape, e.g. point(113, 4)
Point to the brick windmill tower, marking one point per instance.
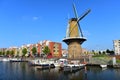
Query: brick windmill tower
point(74, 36)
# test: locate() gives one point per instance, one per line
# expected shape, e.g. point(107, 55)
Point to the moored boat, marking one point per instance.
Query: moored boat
point(40, 62)
point(103, 66)
point(5, 59)
point(14, 60)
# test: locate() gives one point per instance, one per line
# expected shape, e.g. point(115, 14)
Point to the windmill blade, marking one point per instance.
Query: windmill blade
point(76, 16)
point(77, 23)
point(80, 18)
point(75, 11)
point(80, 29)
point(72, 29)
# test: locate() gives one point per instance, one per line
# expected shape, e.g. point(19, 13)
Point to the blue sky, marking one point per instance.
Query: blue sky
point(30, 21)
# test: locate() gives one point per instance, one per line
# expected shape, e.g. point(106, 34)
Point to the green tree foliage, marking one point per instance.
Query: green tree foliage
point(93, 52)
point(111, 52)
point(118, 61)
point(0, 52)
point(8, 52)
point(107, 51)
point(103, 52)
point(99, 52)
point(46, 50)
point(3, 52)
point(12, 53)
point(17, 54)
point(24, 51)
point(34, 50)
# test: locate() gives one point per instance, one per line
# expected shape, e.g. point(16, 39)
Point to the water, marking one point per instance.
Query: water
point(22, 71)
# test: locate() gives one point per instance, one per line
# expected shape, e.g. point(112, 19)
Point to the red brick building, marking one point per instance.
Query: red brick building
point(39, 49)
point(55, 47)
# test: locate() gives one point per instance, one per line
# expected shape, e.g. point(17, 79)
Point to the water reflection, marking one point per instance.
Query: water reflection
point(22, 71)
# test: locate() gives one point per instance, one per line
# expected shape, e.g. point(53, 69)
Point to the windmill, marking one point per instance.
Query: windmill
point(74, 36)
point(78, 19)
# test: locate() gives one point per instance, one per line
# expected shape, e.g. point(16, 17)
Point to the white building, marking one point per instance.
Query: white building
point(116, 45)
point(64, 53)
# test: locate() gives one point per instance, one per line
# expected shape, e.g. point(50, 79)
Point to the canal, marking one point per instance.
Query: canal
point(22, 71)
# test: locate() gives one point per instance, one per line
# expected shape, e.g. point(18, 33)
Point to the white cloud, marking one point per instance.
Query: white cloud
point(35, 18)
point(29, 18)
point(86, 33)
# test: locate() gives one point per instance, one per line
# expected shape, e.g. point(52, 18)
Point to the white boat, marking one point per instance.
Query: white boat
point(82, 64)
point(5, 59)
point(60, 63)
point(75, 67)
point(57, 65)
point(71, 67)
point(63, 62)
point(15, 60)
point(37, 62)
point(67, 68)
point(40, 62)
point(103, 66)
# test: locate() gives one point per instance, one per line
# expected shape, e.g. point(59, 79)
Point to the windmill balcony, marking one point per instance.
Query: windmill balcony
point(67, 40)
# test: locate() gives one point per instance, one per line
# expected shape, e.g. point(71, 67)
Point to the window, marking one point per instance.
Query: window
point(53, 50)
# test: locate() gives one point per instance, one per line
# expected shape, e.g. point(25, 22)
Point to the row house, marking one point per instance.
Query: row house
point(14, 49)
point(28, 47)
point(3, 50)
point(55, 48)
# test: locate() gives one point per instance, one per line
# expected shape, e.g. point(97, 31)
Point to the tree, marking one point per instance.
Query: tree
point(103, 52)
point(0, 53)
point(17, 54)
point(107, 51)
point(8, 52)
point(111, 52)
point(24, 51)
point(93, 52)
point(3, 53)
point(12, 53)
point(99, 52)
point(46, 50)
point(34, 50)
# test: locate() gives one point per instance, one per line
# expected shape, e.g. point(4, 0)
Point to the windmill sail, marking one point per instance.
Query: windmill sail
point(74, 37)
point(67, 31)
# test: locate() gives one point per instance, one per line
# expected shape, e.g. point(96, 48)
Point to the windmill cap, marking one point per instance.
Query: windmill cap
point(73, 19)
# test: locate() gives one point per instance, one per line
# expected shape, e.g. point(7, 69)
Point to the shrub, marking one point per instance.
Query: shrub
point(118, 60)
